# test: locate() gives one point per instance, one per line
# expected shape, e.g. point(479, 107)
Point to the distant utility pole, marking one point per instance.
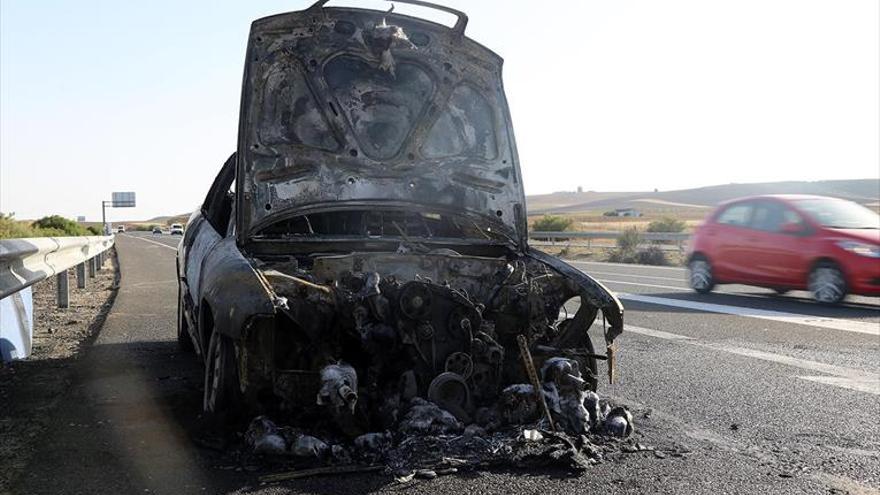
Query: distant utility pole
point(120, 200)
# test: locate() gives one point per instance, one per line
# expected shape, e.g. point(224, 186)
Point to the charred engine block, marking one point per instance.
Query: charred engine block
point(360, 344)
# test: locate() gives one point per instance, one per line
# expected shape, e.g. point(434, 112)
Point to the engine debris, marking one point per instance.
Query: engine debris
point(427, 418)
point(409, 360)
point(338, 387)
point(430, 441)
point(263, 437)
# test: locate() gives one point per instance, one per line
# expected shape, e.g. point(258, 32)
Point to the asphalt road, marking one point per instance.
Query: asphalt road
point(741, 391)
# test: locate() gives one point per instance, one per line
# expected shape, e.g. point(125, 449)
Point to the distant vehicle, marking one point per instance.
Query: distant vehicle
point(828, 246)
point(121, 228)
point(176, 229)
point(157, 230)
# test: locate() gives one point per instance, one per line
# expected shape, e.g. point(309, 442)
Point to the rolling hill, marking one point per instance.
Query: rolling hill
point(697, 200)
point(864, 191)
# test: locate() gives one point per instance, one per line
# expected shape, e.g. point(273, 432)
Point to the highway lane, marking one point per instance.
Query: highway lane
point(673, 282)
point(737, 404)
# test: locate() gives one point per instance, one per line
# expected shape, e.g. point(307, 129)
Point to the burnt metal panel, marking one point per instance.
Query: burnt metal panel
point(430, 127)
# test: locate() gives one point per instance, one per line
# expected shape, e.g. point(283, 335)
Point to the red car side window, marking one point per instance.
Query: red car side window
point(737, 215)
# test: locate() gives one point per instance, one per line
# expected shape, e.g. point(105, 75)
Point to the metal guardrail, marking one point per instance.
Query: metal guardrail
point(611, 234)
point(24, 262)
point(666, 241)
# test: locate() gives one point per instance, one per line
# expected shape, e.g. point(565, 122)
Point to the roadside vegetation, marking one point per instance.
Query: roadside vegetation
point(628, 250)
point(667, 224)
point(552, 223)
point(51, 226)
point(630, 246)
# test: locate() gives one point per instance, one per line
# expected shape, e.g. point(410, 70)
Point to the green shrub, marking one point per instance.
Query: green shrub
point(551, 223)
point(51, 226)
point(627, 246)
point(10, 228)
point(59, 226)
point(666, 224)
point(627, 250)
point(653, 255)
point(629, 240)
point(610, 213)
point(94, 230)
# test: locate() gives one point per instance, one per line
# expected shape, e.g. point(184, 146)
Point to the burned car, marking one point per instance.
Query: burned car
point(363, 255)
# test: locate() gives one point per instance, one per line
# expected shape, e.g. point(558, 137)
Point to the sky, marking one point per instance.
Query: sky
point(626, 95)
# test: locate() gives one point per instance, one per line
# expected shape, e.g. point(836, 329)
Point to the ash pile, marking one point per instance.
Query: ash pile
point(564, 424)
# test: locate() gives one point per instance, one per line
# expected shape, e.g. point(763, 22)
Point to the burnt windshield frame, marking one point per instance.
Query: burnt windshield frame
point(363, 222)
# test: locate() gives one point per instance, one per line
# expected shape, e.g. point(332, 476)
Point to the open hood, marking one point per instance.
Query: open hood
point(344, 106)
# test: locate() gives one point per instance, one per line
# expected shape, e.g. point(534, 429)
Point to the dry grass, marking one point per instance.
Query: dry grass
point(595, 221)
point(583, 253)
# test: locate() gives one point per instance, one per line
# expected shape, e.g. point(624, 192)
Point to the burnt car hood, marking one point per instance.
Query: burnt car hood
point(351, 107)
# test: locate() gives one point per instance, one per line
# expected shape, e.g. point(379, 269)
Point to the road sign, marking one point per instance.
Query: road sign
point(123, 199)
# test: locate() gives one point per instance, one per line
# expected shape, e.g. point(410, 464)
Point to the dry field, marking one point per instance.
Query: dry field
point(595, 221)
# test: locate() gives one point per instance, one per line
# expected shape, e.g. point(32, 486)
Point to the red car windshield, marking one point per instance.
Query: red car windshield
point(840, 214)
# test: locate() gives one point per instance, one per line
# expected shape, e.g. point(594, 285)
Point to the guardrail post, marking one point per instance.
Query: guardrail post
point(100, 261)
point(92, 267)
point(81, 275)
point(63, 289)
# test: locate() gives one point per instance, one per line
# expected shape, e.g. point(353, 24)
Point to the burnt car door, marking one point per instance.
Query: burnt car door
point(204, 230)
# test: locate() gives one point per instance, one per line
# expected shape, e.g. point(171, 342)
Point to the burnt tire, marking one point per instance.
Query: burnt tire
point(827, 283)
point(184, 341)
point(222, 397)
point(700, 276)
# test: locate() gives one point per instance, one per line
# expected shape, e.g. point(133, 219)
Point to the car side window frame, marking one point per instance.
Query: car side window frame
point(217, 208)
point(807, 229)
point(748, 217)
point(768, 205)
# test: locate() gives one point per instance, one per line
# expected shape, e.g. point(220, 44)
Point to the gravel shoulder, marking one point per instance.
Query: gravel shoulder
point(31, 389)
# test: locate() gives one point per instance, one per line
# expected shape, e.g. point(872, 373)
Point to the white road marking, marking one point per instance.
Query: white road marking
point(869, 328)
point(669, 287)
point(841, 377)
point(151, 241)
point(625, 265)
point(629, 275)
point(650, 332)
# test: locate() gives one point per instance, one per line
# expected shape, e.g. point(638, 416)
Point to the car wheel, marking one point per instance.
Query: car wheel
point(827, 283)
point(184, 341)
point(222, 392)
point(700, 275)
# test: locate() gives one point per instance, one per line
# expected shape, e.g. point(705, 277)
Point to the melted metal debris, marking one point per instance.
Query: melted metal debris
point(430, 441)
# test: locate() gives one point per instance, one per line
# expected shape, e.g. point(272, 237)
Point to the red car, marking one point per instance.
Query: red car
point(828, 246)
